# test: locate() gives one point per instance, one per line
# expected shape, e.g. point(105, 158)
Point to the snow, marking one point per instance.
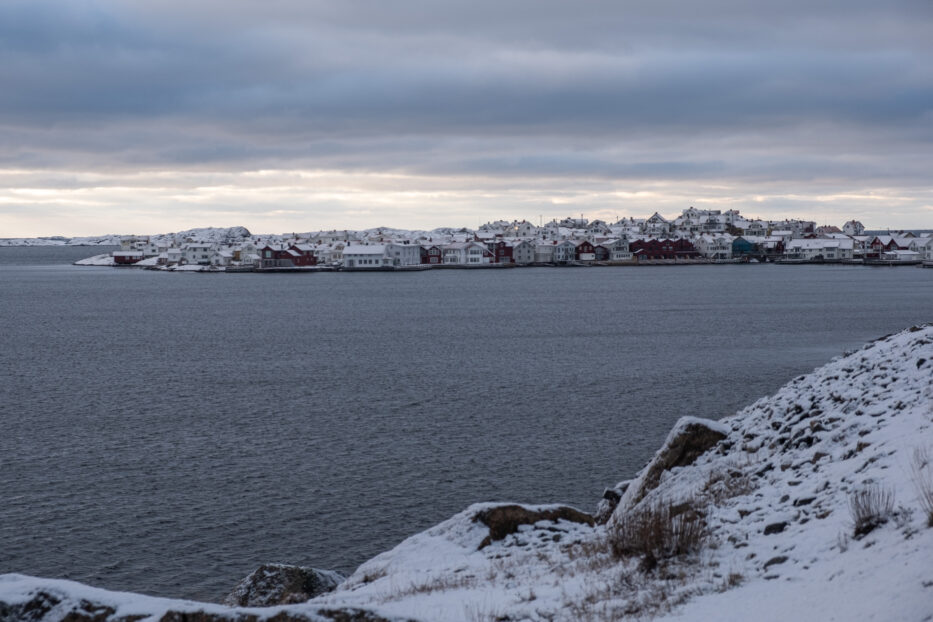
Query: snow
point(17, 588)
point(775, 497)
point(97, 260)
point(103, 240)
point(196, 268)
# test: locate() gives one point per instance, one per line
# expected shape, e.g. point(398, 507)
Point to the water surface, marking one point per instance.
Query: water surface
point(167, 433)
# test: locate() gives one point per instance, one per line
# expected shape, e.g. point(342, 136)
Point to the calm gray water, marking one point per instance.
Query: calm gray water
point(167, 433)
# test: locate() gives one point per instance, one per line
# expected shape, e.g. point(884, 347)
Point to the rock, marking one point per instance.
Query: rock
point(280, 584)
point(690, 438)
point(504, 520)
point(775, 528)
point(780, 559)
point(45, 606)
point(607, 505)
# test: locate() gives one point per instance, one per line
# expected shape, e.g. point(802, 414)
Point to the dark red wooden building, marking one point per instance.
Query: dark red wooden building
point(502, 251)
point(431, 255)
point(663, 249)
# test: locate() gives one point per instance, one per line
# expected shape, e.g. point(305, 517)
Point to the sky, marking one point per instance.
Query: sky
point(120, 116)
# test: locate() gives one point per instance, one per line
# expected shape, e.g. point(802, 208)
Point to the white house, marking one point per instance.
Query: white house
point(657, 226)
point(565, 252)
point(853, 227)
point(756, 228)
point(523, 229)
point(172, 256)
point(544, 252)
point(819, 248)
point(365, 256)
point(922, 246)
point(198, 253)
point(714, 246)
point(470, 253)
point(618, 249)
point(598, 227)
point(523, 252)
point(898, 255)
point(223, 257)
point(370, 256)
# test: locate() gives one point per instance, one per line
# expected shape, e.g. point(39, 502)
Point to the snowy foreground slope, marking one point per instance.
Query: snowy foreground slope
point(748, 518)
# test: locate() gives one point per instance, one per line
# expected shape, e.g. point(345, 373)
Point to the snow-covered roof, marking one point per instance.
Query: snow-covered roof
point(364, 249)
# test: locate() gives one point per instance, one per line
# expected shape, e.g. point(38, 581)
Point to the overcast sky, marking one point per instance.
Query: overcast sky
point(296, 115)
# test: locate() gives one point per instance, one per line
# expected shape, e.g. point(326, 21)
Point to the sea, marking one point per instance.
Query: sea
point(168, 433)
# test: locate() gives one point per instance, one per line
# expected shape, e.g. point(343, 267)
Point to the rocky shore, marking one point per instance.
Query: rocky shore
point(815, 503)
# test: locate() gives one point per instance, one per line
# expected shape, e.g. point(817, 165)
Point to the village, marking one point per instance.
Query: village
point(695, 237)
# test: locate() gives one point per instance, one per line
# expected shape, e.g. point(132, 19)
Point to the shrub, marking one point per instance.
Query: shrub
point(657, 532)
point(870, 508)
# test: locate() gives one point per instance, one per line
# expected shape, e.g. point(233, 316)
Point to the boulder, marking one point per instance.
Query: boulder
point(607, 505)
point(280, 584)
point(504, 520)
point(690, 438)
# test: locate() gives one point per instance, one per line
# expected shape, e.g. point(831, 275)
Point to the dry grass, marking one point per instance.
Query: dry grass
point(443, 583)
point(922, 475)
point(657, 532)
point(481, 612)
point(870, 508)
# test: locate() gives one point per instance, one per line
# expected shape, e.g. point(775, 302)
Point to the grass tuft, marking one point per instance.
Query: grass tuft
point(657, 532)
point(870, 507)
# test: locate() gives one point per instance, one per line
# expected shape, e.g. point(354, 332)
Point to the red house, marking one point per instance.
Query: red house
point(884, 244)
point(663, 249)
point(431, 255)
point(502, 251)
point(126, 258)
point(585, 251)
point(294, 256)
point(302, 255)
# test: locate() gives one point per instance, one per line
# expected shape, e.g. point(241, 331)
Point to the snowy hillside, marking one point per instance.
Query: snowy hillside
point(100, 240)
point(813, 504)
point(228, 234)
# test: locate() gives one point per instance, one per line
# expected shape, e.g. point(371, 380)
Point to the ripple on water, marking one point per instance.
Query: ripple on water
point(169, 433)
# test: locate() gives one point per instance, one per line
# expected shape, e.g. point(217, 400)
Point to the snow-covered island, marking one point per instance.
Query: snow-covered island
point(696, 236)
point(815, 503)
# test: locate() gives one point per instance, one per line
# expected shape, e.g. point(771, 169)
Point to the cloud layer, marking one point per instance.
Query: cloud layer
point(528, 105)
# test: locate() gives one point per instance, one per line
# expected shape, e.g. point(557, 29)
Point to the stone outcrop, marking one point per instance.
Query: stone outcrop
point(690, 438)
point(281, 584)
point(611, 498)
point(504, 520)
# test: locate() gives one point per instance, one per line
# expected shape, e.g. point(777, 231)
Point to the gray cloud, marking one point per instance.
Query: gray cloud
point(788, 92)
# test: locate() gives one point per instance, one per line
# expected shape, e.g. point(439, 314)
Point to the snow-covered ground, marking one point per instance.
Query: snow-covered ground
point(97, 260)
point(216, 235)
point(203, 234)
point(100, 240)
point(765, 515)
